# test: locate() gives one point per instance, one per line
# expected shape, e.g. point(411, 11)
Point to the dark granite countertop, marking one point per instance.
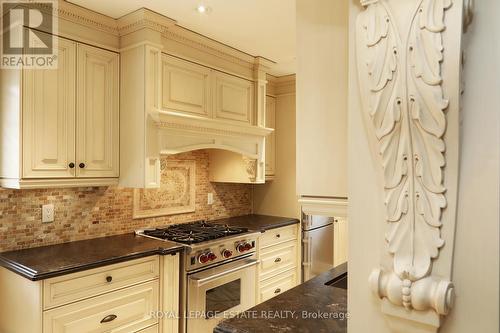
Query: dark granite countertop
point(258, 222)
point(48, 261)
point(311, 299)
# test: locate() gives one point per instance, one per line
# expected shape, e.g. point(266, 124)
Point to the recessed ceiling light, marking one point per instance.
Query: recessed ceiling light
point(202, 9)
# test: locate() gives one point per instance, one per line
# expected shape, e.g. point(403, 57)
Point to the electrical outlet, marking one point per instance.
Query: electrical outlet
point(47, 213)
point(210, 200)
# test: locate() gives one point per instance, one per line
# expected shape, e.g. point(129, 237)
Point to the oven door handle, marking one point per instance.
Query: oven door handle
point(201, 279)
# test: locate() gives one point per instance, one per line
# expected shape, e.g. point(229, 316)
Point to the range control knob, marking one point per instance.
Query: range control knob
point(211, 256)
point(226, 253)
point(242, 247)
point(203, 258)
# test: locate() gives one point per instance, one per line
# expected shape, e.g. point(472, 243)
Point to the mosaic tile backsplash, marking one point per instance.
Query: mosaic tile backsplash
point(90, 212)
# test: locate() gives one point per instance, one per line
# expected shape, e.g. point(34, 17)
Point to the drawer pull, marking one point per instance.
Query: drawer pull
point(108, 318)
point(277, 260)
point(277, 291)
point(109, 278)
point(278, 235)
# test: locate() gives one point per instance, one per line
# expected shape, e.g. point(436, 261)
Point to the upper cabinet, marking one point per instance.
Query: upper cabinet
point(186, 87)
point(271, 138)
point(64, 129)
point(234, 98)
point(98, 120)
point(48, 118)
point(200, 91)
point(322, 90)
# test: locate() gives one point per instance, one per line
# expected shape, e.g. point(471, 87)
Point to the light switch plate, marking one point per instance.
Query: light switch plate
point(47, 213)
point(210, 199)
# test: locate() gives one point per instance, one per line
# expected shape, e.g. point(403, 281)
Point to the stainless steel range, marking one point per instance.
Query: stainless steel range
point(218, 273)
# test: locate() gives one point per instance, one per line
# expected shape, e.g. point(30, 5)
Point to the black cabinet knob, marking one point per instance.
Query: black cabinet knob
point(71, 165)
point(82, 165)
point(109, 278)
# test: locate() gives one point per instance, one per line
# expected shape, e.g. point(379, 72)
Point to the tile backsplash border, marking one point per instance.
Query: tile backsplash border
point(90, 212)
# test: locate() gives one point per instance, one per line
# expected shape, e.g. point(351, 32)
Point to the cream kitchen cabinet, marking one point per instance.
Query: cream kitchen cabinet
point(197, 90)
point(61, 127)
point(340, 239)
point(234, 98)
point(49, 117)
point(186, 87)
point(121, 297)
point(279, 261)
point(271, 138)
point(98, 117)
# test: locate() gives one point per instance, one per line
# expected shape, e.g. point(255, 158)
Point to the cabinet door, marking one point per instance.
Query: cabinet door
point(97, 123)
point(271, 138)
point(49, 117)
point(185, 87)
point(340, 237)
point(234, 98)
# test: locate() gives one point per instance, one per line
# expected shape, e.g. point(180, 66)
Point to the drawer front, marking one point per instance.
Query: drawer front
point(127, 310)
point(73, 287)
point(152, 329)
point(277, 259)
point(279, 235)
point(278, 285)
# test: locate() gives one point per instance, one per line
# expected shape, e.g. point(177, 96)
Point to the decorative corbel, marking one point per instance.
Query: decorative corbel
point(400, 47)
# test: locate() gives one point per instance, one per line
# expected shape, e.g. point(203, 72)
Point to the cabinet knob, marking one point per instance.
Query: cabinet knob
point(277, 260)
point(109, 318)
point(109, 278)
point(278, 235)
point(277, 291)
point(82, 165)
point(71, 165)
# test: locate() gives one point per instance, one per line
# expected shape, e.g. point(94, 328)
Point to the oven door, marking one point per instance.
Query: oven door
point(218, 293)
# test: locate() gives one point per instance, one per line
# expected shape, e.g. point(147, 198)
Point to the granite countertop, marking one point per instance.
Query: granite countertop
point(53, 260)
point(48, 261)
point(304, 303)
point(258, 222)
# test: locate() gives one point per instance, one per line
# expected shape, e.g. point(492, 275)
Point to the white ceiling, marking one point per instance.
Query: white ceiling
point(259, 27)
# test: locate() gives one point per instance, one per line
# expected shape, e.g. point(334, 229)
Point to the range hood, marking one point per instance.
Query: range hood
point(148, 130)
point(236, 151)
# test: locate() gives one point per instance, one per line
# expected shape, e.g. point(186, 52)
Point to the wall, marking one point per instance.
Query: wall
point(278, 197)
point(322, 98)
point(84, 213)
point(476, 265)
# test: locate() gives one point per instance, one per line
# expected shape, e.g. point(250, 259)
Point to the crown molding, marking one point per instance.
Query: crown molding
point(144, 18)
point(86, 17)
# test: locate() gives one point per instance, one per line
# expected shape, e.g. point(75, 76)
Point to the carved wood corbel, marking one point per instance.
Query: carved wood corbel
point(400, 49)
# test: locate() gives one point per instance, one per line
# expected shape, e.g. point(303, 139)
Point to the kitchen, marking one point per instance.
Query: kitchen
point(183, 168)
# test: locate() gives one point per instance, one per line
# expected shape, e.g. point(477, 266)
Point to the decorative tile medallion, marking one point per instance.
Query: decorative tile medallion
point(176, 193)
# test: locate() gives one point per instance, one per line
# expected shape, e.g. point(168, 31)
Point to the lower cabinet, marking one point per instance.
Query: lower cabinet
point(340, 237)
point(126, 310)
point(279, 256)
point(124, 297)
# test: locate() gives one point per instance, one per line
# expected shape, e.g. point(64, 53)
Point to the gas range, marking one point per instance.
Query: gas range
point(206, 243)
point(218, 271)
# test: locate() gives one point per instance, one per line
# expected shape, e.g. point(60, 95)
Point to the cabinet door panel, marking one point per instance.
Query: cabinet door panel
point(340, 237)
point(49, 117)
point(185, 87)
point(233, 98)
point(271, 138)
point(97, 113)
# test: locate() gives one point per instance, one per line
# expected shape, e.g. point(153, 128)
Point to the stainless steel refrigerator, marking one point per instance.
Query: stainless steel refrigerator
point(317, 245)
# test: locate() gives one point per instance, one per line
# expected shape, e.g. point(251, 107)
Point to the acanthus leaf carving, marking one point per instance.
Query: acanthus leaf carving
point(407, 109)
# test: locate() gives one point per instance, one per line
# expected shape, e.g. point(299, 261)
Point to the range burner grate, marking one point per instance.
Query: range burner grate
point(194, 232)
